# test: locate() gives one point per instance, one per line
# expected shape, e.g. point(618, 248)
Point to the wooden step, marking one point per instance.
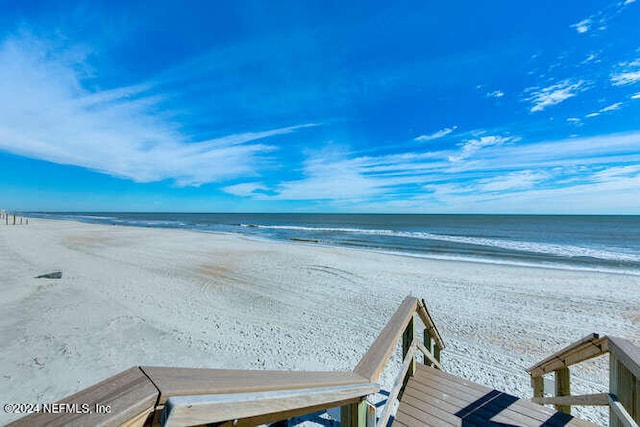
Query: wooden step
point(436, 398)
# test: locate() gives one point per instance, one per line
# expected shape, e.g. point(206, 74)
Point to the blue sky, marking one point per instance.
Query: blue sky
point(321, 106)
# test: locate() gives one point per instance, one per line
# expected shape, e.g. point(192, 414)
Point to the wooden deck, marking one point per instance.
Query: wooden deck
point(435, 398)
point(168, 396)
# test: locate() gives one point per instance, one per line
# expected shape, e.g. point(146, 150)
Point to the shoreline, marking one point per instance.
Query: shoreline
point(314, 243)
point(134, 296)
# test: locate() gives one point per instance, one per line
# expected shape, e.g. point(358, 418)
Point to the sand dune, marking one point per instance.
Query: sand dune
point(142, 296)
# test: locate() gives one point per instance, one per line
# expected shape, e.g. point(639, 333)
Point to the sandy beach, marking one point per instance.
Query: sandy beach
point(147, 296)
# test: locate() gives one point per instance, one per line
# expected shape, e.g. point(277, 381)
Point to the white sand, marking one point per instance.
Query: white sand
point(142, 296)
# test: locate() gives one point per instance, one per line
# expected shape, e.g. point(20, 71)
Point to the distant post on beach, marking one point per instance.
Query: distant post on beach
point(14, 219)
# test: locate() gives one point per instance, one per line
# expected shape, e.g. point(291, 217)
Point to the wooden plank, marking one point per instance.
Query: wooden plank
point(538, 387)
point(589, 347)
point(426, 412)
point(411, 417)
point(625, 385)
point(272, 418)
point(563, 388)
point(446, 391)
point(453, 396)
point(435, 362)
point(627, 353)
point(398, 423)
point(430, 325)
point(354, 415)
point(128, 394)
point(428, 344)
point(400, 381)
point(205, 409)
point(598, 399)
point(451, 384)
point(486, 411)
point(194, 381)
point(636, 405)
point(139, 420)
point(613, 388)
point(374, 361)
point(407, 343)
point(620, 413)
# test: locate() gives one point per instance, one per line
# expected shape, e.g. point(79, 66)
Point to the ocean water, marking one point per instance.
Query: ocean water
point(604, 243)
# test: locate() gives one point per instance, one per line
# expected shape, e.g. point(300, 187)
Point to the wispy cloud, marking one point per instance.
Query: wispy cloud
point(436, 135)
point(502, 176)
point(120, 131)
point(495, 94)
point(612, 107)
point(468, 148)
point(627, 73)
point(635, 96)
point(541, 98)
point(520, 180)
point(583, 26)
point(330, 175)
point(590, 58)
point(600, 19)
point(245, 189)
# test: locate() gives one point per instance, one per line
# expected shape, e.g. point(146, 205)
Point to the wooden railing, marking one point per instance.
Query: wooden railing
point(161, 396)
point(401, 325)
point(623, 398)
point(145, 396)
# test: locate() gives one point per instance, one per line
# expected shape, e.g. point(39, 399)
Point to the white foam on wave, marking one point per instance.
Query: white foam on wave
point(570, 251)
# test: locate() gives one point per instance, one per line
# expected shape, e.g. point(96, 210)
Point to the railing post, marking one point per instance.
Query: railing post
point(563, 388)
point(613, 388)
point(436, 352)
point(428, 343)
point(538, 386)
point(354, 415)
point(624, 385)
point(407, 339)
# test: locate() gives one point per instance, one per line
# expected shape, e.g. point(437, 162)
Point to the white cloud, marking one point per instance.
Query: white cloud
point(519, 180)
point(51, 116)
point(626, 78)
point(331, 176)
point(582, 26)
point(612, 107)
point(627, 171)
point(635, 96)
point(471, 146)
point(574, 120)
point(495, 94)
point(600, 19)
point(436, 135)
point(627, 73)
point(501, 177)
point(554, 94)
point(245, 189)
